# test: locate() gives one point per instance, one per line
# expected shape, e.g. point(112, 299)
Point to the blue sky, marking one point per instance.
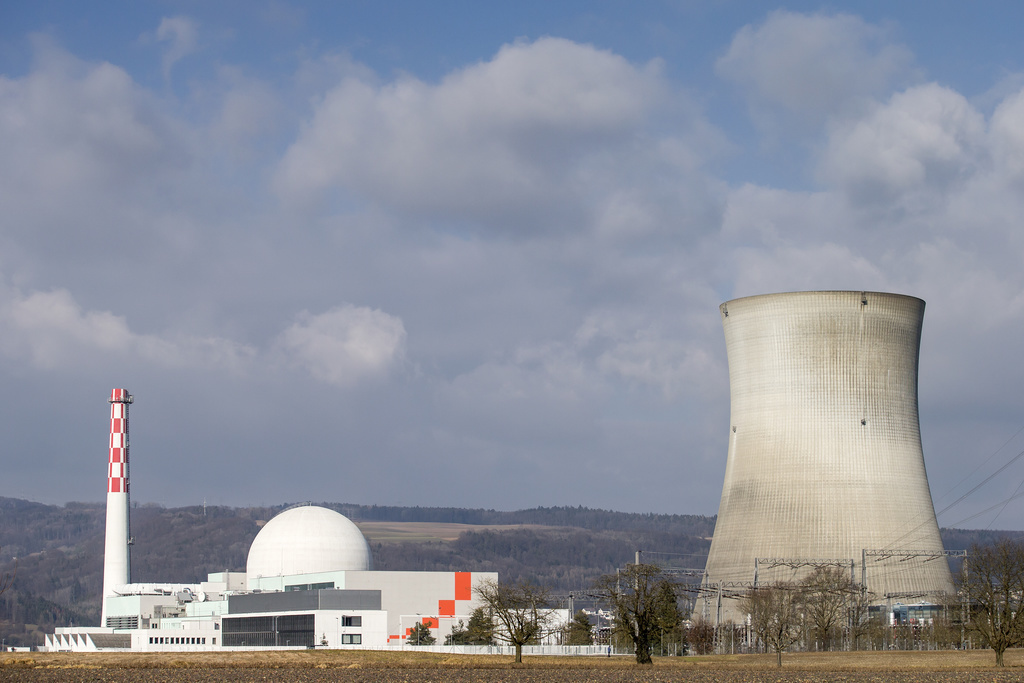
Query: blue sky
point(472, 255)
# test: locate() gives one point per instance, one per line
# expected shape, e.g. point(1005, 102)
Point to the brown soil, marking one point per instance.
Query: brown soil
point(404, 667)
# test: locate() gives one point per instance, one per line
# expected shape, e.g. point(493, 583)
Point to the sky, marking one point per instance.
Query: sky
point(471, 254)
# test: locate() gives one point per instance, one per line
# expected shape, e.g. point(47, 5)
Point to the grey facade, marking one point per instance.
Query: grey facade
point(824, 456)
point(310, 600)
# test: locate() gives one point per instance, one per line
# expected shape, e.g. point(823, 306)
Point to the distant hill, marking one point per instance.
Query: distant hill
point(60, 548)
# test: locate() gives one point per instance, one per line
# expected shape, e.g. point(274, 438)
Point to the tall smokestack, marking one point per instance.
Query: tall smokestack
point(116, 561)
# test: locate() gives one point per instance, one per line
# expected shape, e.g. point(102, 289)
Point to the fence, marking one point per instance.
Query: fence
point(508, 650)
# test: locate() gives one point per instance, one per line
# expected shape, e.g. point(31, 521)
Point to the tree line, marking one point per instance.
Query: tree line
point(643, 599)
point(828, 610)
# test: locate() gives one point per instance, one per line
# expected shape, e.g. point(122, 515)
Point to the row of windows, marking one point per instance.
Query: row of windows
point(309, 586)
point(179, 640)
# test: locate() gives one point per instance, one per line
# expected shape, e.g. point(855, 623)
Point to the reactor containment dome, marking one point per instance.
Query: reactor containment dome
point(824, 465)
point(307, 540)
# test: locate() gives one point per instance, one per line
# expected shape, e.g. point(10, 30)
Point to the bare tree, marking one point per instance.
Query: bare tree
point(701, 637)
point(522, 610)
point(992, 580)
point(858, 610)
point(827, 598)
point(775, 615)
point(634, 595)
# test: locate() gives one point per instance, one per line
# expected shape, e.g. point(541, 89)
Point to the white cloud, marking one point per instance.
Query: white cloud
point(139, 229)
point(674, 362)
point(68, 123)
point(771, 217)
point(925, 137)
point(504, 135)
point(182, 37)
point(52, 331)
point(812, 67)
point(1007, 131)
point(85, 157)
point(249, 114)
point(806, 267)
point(345, 345)
point(539, 396)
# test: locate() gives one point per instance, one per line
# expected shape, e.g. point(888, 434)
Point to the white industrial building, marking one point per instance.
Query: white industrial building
point(309, 582)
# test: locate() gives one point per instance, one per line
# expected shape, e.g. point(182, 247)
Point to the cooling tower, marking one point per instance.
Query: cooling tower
point(116, 561)
point(824, 460)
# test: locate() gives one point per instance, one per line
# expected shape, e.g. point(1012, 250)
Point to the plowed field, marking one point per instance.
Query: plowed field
point(404, 667)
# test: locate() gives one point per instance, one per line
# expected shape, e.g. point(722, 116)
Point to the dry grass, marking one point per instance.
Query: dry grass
point(412, 667)
point(973, 660)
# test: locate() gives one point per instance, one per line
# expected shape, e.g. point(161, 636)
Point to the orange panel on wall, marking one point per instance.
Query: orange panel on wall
point(446, 608)
point(463, 585)
point(429, 622)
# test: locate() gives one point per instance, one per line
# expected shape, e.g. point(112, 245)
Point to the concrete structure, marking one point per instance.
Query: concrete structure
point(116, 561)
point(323, 604)
point(308, 583)
point(306, 539)
point(824, 464)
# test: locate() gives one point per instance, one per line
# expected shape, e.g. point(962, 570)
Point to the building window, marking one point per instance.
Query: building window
point(351, 621)
point(309, 586)
point(352, 639)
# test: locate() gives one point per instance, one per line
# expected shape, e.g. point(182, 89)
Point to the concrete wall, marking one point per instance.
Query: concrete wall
point(432, 597)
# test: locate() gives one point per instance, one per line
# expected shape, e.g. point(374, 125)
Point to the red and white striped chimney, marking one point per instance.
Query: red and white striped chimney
point(116, 559)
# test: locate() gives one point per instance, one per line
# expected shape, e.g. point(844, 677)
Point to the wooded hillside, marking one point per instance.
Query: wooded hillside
point(60, 549)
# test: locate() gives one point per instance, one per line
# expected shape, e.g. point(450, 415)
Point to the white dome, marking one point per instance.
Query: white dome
point(304, 540)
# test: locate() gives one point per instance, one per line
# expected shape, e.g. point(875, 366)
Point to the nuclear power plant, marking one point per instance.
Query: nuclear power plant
point(824, 468)
point(308, 582)
point(824, 464)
